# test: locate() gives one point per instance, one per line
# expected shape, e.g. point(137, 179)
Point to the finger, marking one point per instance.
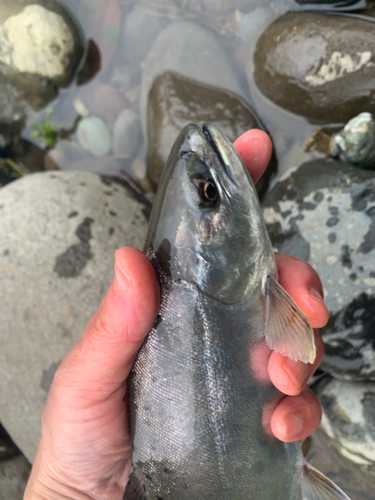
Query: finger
point(289, 376)
point(255, 149)
point(303, 284)
point(103, 357)
point(296, 417)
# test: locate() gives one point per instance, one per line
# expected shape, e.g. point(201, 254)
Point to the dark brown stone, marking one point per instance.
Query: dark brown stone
point(318, 65)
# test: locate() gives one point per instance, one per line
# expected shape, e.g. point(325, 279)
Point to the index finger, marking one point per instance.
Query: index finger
point(255, 149)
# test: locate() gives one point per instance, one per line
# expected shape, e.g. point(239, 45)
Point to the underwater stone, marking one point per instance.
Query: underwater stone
point(356, 142)
point(317, 65)
point(94, 136)
point(127, 134)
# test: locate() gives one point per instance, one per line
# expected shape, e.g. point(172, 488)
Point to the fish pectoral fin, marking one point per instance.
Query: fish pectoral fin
point(316, 486)
point(288, 331)
point(136, 487)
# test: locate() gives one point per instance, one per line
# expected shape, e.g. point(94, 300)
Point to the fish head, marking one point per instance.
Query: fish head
point(207, 226)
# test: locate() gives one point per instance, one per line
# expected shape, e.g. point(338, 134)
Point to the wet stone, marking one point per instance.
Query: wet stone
point(317, 65)
point(337, 238)
point(175, 101)
point(356, 142)
point(178, 48)
point(48, 291)
point(14, 474)
point(40, 48)
point(348, 419)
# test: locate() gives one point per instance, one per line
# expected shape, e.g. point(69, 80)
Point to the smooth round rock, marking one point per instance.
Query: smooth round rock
point(40, 48)
point(349, 419)
point(317, 65)
point(324, 213)
point(191, 51)
point(13, 112)
point(14, 474)
point(175, 101)
point(140, 28)
point(94, 136)
point(127, 134)
point(59, 234)
point(356, 142)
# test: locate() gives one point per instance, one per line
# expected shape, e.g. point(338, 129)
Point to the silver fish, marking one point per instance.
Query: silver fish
point(200, 398)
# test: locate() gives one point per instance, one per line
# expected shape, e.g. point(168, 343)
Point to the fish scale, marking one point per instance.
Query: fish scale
point(200, 399)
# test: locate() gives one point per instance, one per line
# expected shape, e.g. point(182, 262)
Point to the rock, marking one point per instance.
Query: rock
point(212, 7)
point(139, 31)
point(93, 136)
point(40, 48)
point(105, 29)
point(102, 100)
point(348, 419)
point(127, 134)
point(356, 142)
point(332, 464)
point(251, 25)
point(317, 65)
point(179, 49)
point(13, 478)
point(175, 101)
point(125, 76)
point(55, 268)
point(13, 112)
point(7, 448)
point(324, 212)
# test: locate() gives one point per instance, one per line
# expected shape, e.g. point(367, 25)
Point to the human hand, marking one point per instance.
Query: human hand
point(85, 450)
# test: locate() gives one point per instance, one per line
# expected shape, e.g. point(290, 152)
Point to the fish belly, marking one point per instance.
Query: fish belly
point(200, 404)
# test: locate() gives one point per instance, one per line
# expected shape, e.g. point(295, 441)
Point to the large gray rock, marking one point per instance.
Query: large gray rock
point(348, 419)
point(324, 212)
point(40, 48)
point(14, 474)
point(191, 51)
point(59, 232)
point(317, 65)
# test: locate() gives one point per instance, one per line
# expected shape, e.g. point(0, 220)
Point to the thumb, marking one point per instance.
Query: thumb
point(102, 359)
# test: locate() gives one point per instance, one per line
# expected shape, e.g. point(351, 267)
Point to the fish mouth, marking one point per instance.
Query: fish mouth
point(218, 142)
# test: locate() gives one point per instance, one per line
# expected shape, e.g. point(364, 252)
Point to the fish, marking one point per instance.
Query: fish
point(200, 399)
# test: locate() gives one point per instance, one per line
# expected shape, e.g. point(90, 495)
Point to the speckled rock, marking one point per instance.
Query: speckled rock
point(40, 48)
point(317, 65)
point(324, 212)
point(55, 269)
point(348, 419)
point(14, 474)
point(356, 142)
point(191, 51)
point(175, 101)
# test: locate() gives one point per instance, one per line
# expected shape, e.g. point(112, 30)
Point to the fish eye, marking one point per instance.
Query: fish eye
point(207, 192)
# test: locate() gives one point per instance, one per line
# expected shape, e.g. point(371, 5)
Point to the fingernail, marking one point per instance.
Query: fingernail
point(294, 426)
point(316, 293)
point(122, 280)
point(298, 372)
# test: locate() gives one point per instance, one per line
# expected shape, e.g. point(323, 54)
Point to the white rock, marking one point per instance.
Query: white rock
point(38, 41)
point(94, 136)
